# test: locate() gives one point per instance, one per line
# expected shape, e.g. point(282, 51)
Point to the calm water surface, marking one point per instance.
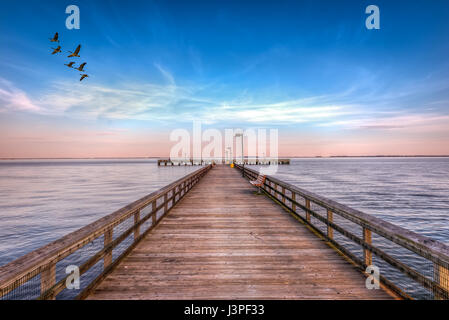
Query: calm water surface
point(43, 200)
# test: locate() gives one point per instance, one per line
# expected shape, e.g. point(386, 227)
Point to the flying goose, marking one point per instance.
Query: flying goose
point(80, 68)
point(55, 38)
point(56, 50)
point(70, 64)
point(83, 76)
point(75, 54)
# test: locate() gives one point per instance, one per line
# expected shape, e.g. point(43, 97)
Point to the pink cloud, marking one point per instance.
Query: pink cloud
point(15, 99)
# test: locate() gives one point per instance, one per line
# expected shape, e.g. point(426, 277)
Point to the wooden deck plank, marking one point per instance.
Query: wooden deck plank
point(223, 241)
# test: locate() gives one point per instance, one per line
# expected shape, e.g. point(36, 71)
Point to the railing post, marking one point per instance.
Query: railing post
point(174, 196)
point(153, 214)
point(137, 229)
point(307, 211)
point(293, 202)
point(283, 195)
point(107, 260)
point(165, 204)
point(48, 280)
point(441, 276)
point(330, 218)
point(366, 253)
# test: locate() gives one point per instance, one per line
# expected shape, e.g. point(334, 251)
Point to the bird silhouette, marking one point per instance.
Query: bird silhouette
point(70, 64)
point(75, 53)
point(83, 76)
point(80, 68)
point(55, 38)
point(56, 50)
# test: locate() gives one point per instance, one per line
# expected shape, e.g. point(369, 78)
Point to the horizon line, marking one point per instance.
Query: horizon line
point(279, 157)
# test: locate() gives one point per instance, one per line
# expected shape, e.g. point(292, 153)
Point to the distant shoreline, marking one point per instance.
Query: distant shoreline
point(280, 157)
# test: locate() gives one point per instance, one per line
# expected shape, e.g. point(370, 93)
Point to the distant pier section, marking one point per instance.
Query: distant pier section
point(200, 162)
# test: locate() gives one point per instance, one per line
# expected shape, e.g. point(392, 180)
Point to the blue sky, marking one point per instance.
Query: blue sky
point(309, 68)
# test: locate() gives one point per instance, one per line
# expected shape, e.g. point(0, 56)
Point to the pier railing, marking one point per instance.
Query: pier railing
point(92, 251)
point(410, 265)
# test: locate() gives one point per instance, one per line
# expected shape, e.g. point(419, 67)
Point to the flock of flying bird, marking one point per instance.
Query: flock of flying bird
point(72, 54)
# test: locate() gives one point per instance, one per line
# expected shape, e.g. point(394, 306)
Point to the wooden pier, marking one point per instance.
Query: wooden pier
point(209, 235)
point(223, 241)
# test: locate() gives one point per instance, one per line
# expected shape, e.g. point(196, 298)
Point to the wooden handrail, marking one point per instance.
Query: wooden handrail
point(43, 260)
point(433, 250)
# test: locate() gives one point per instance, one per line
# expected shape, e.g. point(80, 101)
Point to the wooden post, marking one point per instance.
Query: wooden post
point(107, 260)
point(165, 203)
point(441, 276)
point(153, 213)
point(283, 195)
point(136, 220)
point(330, 218)
point(307, 212)
point(293, 204)
point(366, 253)
point(48, 280)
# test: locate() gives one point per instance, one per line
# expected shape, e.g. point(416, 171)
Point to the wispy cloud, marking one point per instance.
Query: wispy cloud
point(162, 102)
point(174, 103)
point(170, 102)
point(394, 121)
point(12, 98)
point(285, 112)
point(167, 75)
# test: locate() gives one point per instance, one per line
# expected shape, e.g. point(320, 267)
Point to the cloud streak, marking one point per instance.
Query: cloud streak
point(172, 103)
point(12, 98)
point(167, 102)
